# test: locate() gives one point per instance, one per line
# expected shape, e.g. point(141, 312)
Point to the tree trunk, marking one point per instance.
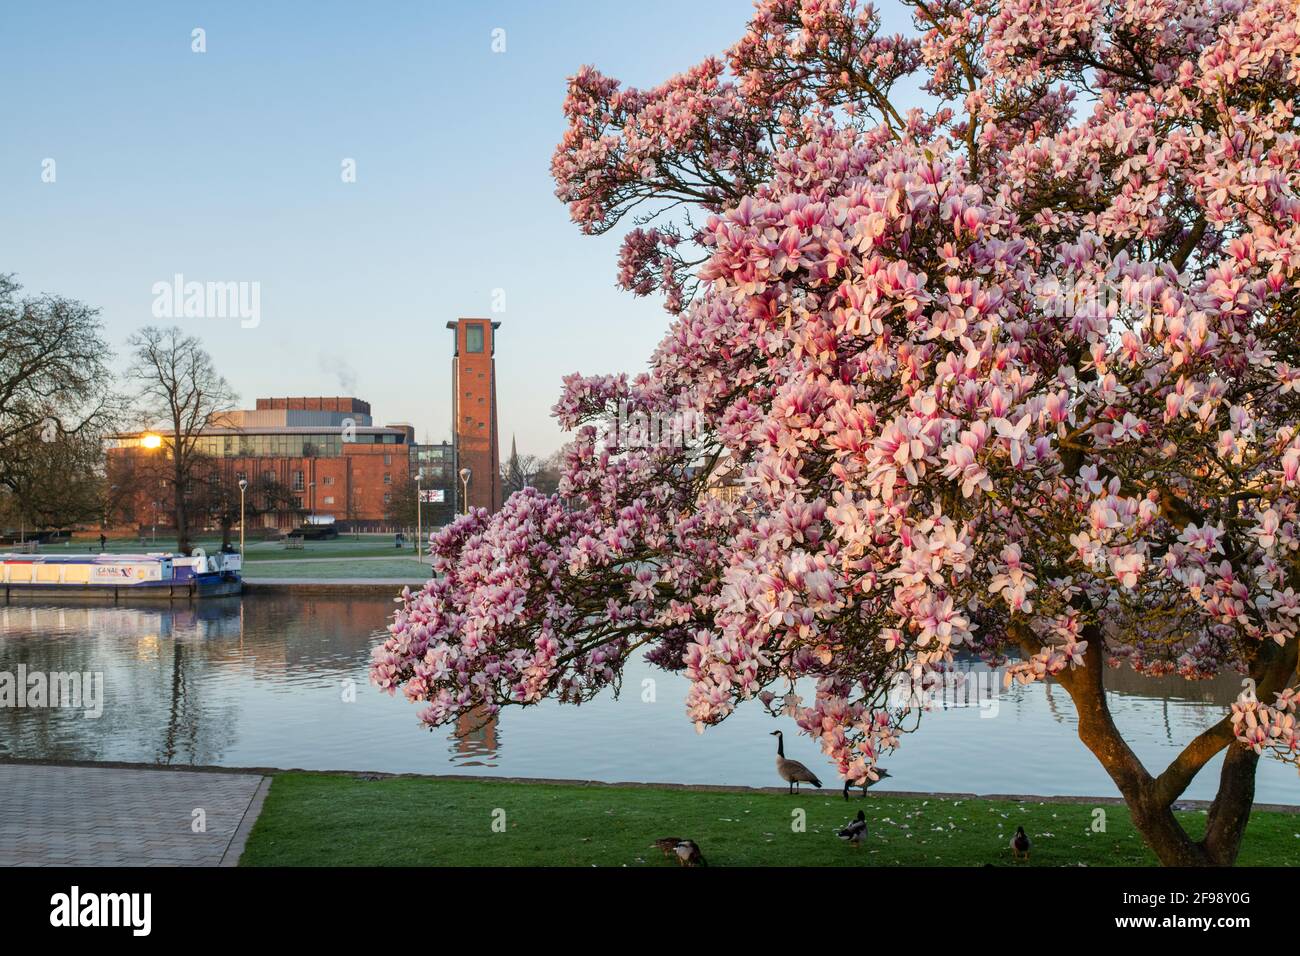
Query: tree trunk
point(178, 508)
point(1225, 824)
point(1150, 800)
point(1153, 817)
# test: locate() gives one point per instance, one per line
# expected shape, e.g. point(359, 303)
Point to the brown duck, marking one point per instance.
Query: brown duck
point(687, 851)
point(1020, 843)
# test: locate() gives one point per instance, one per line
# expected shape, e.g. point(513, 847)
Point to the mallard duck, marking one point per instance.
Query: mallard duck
point(856, 831)
point(688, 853)
point(1020, 843)
point(866, 783)
point(668, 844)
point(792, 771)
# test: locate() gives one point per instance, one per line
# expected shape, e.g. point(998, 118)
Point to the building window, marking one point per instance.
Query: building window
point(268, 475)
point(329, 499)
point(297, 481)
point(388, 499)
point(388, 479)
point(388, 459)
point(474, 337)
point(297, 502)
point(329, 480)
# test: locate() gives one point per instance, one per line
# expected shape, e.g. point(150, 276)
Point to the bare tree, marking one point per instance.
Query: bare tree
point(180, 388)
point(54, 391)
point(215, 499)
point(546, 478)
point(518, 471)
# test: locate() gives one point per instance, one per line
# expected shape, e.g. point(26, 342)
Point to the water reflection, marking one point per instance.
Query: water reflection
point(476, 739)
point(282, 681)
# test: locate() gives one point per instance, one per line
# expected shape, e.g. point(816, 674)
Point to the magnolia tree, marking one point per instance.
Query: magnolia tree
point(1013, 371)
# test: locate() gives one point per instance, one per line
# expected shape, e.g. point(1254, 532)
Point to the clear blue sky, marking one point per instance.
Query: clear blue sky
point(225, 166)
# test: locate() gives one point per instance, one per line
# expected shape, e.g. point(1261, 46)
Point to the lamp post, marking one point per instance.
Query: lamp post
point(419, 516)
point(465, 474)
point(109, 506)
point(243, 486)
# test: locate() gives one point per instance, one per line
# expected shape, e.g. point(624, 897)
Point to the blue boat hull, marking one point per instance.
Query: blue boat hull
point(191, 588)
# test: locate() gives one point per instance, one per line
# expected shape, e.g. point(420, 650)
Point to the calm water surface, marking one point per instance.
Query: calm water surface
point(261, 682)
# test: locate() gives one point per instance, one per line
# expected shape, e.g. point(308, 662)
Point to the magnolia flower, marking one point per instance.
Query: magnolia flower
point(1127, 568)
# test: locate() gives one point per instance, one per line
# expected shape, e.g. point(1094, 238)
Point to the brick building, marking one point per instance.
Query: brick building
point(319, 456)
point(474, 409)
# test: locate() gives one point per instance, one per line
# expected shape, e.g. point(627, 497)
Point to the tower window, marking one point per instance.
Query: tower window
point(474, 338)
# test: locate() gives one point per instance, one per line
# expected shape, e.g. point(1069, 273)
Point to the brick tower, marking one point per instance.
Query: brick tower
point(474, 411)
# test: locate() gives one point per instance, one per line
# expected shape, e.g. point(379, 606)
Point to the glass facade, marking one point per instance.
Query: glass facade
point(432, 462)
point(474, 337)
point(324, 444)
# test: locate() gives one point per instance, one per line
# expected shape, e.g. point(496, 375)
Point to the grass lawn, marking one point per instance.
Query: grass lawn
point(369, 546)
point(322, 820)
point(316, 561)
point(83, 543)
point(342, 546)
point(405, 569)
point(255, 552)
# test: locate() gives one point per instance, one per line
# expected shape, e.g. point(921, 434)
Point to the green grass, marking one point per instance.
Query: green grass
point(255, 552)
point(404, 568)
point(324, 820)
point(81, 543)
point(370, 546)
point(316, 561)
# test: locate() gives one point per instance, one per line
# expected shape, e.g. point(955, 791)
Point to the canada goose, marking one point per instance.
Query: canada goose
point(856, 831)
point(792, 771)
point(688, 853)
point(1020, 843)
point(668, 844)
point(866, 783)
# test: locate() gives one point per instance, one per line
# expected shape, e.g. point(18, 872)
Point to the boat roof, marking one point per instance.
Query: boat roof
point(90, 558)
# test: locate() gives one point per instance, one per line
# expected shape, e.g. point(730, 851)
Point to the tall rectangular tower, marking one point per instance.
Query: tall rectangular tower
point(474, 411)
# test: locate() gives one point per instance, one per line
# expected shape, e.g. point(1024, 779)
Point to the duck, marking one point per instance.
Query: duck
point(688, 853)
point(792, 771)
point(668, 844)
point(856, 831)
point(866, 783)
point(1020, 843)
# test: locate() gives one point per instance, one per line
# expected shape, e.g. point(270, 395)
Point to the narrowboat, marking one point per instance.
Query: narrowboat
point(152, 576)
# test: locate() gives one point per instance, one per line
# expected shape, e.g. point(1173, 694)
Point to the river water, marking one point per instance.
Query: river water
point(281, 681)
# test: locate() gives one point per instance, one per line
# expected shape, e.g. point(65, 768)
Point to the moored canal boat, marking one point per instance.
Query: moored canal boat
point(153, 576)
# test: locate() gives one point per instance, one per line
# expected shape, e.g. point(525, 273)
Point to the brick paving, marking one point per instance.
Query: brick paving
point(102, 816)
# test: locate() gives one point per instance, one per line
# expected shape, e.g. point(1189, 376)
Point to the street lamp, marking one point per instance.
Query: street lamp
point(419, 516)
point(465, 474)
point(243, 486)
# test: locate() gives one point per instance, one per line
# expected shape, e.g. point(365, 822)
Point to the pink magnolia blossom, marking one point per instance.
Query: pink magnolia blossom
point(1014, 373)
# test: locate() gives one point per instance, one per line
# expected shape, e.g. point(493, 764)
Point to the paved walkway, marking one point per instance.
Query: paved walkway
point(103, 816)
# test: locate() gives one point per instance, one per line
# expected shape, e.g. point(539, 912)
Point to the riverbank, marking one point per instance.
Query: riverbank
point(312, 819)
point(348, 563)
